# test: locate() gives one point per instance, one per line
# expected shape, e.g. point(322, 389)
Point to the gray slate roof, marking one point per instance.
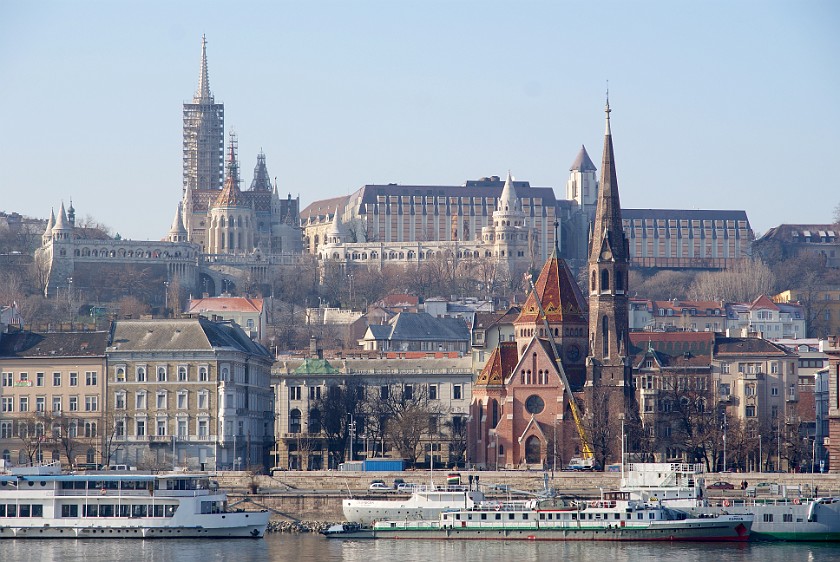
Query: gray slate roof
point(423, 326)
point(180, 335)
point(53, 344)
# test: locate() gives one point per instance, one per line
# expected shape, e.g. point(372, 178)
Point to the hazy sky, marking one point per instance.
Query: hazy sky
point(728, 104)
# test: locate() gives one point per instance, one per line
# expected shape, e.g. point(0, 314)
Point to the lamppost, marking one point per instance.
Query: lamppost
point(724, 441)
point(70, 297)
point(350, 278)
point(351, 430)
point(166, 299)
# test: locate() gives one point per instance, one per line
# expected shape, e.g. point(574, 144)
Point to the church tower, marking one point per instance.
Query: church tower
point(608, 364)
point(204, 143)
point(231, 217)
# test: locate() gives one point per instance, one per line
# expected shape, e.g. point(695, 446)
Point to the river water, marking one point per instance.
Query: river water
point(312, 548)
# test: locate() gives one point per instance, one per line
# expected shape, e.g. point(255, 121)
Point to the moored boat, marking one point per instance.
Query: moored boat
point(426, 502)
point(615, 517)
point(43, 502)
point(682, 486)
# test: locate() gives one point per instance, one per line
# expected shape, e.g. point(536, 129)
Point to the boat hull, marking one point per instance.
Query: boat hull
point(689, 530)
point(228, 525)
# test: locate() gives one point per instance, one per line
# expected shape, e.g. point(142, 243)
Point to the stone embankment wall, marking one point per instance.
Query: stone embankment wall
point(317, 495)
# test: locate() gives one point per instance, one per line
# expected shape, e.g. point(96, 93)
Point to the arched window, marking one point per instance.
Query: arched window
point(619, 281)
point(593, 282)
point(533, 450)
point(605, 336)
point(314, 421)
point(605, 280)
point(294, 421)
point(90, 456)
point(494, 413)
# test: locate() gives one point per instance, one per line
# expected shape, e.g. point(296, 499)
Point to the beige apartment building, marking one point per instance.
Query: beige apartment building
point(189, 393)
point(52, 405)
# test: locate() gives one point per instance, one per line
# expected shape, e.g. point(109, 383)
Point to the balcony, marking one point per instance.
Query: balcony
point(160, 439)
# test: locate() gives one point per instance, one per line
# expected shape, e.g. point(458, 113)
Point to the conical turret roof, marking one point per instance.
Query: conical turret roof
point(230, 195)
point(582, 163)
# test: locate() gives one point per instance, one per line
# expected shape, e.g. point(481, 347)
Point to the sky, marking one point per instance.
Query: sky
point(715, 104)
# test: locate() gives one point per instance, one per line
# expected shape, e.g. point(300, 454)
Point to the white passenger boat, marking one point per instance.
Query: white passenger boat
point(42, 502)
point(425, 503)
point(682, 486)
point(615, 517)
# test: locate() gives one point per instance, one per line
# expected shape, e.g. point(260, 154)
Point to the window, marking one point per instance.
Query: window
point(202, 374)
point(182, 400)
point(161, 427)
point(5, 430)
point(8, 379)
point(39, 379)
point(774, 391)
point(161, 401)
point(120, 376)
point(90, 378)
point(294, 421)
point(433, 394)
point(161, 374)
point(24, 378)
point(24, 404)
point(749, 411)
point(56, 404)
point(294, 393)
point(202, 429)
point(140, 428)
point(456, 392)
point(433, 425)
point(56, 379)
point(74, 403)
point(90, 429)
point(182, 429)
point(91, 403)
point(8, 404)
point(202, 401)
point(408, 392)
point(384, 392)
point(314, 392)
point(40, 403)
point(74, 379)
point(724, 368)
point(141, 374)
point(140, 401)
point(182, 374)
point(119, 428)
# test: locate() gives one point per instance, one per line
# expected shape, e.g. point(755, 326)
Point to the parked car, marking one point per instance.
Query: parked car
point(379, 487)
point(406, 487)
point(720, 486)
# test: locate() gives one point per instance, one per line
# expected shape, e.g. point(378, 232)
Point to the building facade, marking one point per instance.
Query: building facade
point(310, 437)
point(189, 393)
point(52, 399)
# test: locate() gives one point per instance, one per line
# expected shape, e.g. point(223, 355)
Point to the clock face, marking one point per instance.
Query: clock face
point(572, 352)
point(606, 254)
point(534, 404)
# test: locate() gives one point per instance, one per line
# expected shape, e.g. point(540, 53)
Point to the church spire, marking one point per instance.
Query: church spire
point(608, 231)
point(203, 93)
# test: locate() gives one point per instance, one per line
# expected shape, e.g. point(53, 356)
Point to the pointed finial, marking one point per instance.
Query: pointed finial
point(607, 109)
point(203, 92)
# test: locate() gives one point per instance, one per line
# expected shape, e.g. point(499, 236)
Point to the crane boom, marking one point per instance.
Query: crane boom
point(586, 449)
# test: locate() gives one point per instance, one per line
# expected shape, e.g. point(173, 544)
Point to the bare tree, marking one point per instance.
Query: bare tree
point(744, 282)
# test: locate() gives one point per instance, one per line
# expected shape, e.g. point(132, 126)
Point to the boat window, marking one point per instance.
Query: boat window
point(69, 510)
point(90, 510)
point(524, 516)
point(170, 510)
point(37, 510)
point(11, 510)
point(158, 511)
point(483, 516)
point(125, 510)
point(25, 510)
point(138, 511)
point(498, 516)
point(510, 516)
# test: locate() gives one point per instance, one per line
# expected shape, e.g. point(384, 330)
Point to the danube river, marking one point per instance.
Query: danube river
point(311, 548)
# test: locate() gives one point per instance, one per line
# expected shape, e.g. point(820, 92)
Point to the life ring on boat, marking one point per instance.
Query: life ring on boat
point(103, 491)
point(498, 507)
point(796, 501)
point(726, 503)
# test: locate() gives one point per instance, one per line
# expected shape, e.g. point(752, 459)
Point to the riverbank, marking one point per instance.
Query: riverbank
point(302, 501)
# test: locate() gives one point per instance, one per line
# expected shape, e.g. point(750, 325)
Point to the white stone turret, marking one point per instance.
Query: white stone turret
point(47, 236)
point(177, 233)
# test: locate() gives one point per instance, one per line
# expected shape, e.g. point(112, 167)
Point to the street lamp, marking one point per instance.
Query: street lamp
point(165, 299)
